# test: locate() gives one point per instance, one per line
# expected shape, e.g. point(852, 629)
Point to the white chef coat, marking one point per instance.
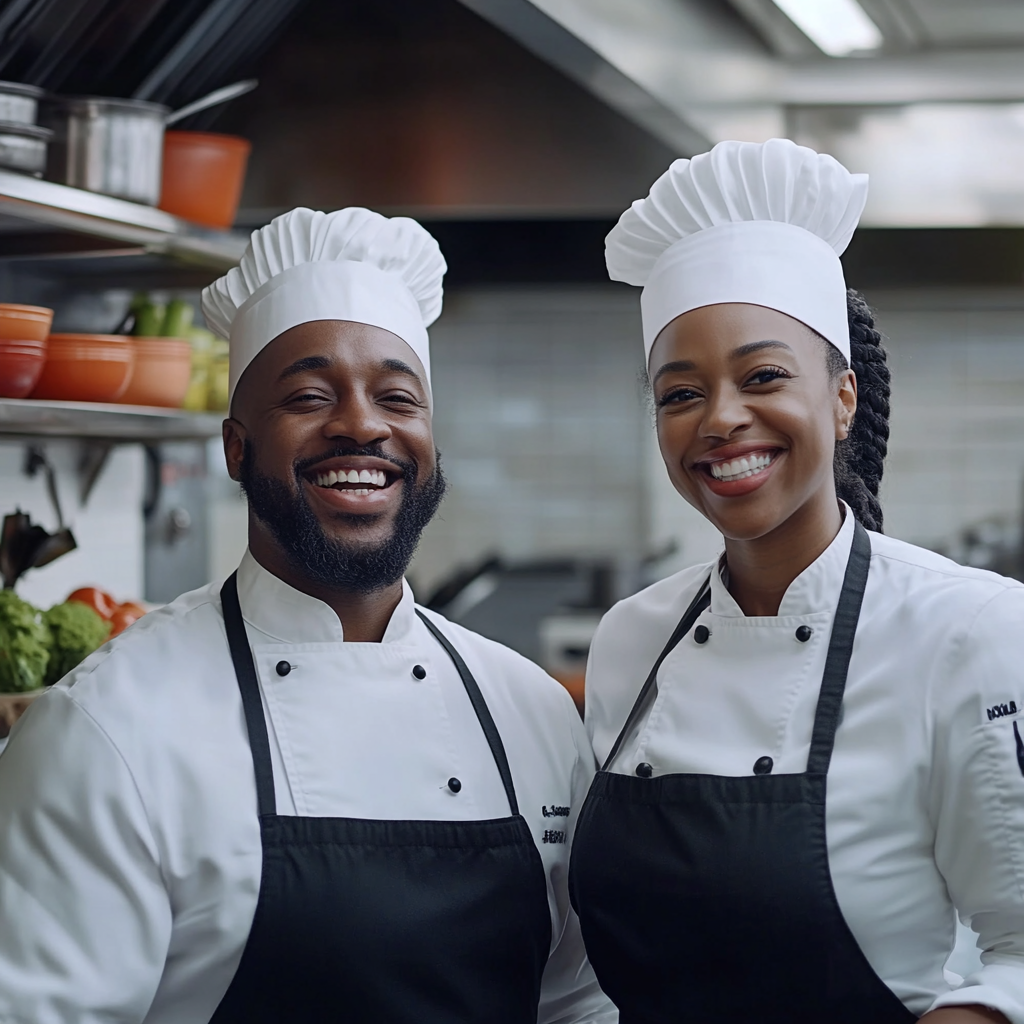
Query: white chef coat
point(130, 853)
point(925, 807)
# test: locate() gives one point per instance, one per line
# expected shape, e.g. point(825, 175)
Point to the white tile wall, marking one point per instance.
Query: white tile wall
point(957, 448)
point(541, 424)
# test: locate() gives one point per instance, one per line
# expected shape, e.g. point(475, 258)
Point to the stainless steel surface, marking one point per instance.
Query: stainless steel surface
point(125, 423)
point(935, 105)
point(567, 45)
point(23, 147)
point(32, 203)
point(212, 99)
point(114, 147)
point(19, 103)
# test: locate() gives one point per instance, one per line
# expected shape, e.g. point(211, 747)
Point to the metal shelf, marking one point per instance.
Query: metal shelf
point(24, 418)
point(44, 220)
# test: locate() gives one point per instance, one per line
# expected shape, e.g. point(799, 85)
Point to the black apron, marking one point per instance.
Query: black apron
point(706, 899)
point(387, 922)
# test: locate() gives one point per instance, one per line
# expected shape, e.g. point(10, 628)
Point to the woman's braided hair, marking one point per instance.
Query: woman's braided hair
point(860, 458)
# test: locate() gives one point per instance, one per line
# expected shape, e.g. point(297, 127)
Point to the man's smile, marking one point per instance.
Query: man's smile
point(355, 483)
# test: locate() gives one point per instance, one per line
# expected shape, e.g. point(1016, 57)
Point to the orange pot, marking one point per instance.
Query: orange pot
point(86, 368)
point(21, 363)
point(24, 323)
point(203, 175)
point(163, 367)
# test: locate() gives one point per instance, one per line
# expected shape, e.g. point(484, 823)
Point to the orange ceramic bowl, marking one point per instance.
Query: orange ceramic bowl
point(86, 368)
point(24, 323)
point(21, 363)
point(162, 370)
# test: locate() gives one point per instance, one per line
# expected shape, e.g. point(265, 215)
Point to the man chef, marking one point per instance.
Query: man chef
point(295, 796)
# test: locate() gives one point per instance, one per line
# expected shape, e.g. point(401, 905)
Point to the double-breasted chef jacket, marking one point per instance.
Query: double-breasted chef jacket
point(925, 792)
point(130, 853)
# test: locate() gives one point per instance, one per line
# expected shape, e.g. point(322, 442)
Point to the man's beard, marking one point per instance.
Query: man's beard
point(340, 565)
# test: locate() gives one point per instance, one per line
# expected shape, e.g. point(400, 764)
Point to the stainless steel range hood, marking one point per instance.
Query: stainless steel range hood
point(939, 126)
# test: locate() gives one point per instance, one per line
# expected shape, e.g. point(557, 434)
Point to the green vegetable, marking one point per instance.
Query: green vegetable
point(23, 645)
point(75, 631)
point(149, 320)
point(177, 319)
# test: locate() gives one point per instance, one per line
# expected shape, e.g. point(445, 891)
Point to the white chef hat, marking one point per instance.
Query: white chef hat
point(762, 223)
point(352, 264)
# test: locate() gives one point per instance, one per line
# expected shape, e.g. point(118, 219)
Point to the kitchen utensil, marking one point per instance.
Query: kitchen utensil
point(25, 545)
point(86, 368)
point(106, 145)
point(161, 374)
point(23, 147)
point(24, 323)
point(54, 544)
point(203, 174)
point(21, 364)
point(115, 146)
point(211, 99)
point(19, 103)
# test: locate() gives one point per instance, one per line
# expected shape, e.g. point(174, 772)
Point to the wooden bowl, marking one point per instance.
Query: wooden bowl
point(12, 707)
point(86, 368)
point(163, 367)
point(21, 363)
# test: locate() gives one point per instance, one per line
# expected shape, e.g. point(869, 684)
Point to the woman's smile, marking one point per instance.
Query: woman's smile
point(736, 470)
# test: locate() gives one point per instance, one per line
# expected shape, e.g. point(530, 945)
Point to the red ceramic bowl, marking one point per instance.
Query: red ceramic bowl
point(86, 368)
point(21, 363)
point(163, 367)
point(24, 323)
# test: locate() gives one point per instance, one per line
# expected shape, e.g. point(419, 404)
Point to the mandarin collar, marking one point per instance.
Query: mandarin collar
point(289, 616)
point(816, 589)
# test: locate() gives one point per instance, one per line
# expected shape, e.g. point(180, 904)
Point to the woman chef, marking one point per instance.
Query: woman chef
point(812, 750)
point(297, 798)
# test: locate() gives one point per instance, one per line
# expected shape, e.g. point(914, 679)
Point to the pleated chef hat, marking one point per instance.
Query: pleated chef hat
point(763, 223)
point(352, 264)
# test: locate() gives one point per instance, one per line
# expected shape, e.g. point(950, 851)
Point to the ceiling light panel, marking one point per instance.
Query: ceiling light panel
point(837, 27)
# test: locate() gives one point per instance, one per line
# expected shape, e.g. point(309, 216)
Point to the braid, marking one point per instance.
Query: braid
point(860, 458)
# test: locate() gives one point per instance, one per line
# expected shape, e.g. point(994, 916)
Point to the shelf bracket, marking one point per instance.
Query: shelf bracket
point(93, 456)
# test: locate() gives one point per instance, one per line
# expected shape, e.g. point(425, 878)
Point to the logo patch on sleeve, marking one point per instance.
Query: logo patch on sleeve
point(1001, 710)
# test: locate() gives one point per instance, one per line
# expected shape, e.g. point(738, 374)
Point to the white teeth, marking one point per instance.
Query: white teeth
point(739, 469)
point(376, 477)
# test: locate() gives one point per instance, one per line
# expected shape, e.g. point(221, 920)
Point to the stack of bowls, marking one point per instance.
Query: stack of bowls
point(86, 368)
point(23, 333)
point(163, 367)
point(23, 143)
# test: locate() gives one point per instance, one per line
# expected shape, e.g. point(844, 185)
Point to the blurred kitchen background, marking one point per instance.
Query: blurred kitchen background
point(517, 131)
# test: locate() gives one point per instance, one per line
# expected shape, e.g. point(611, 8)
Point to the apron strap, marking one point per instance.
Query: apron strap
point(686, 623)
point(840, 650)
point(252, 703)
point(483, 713)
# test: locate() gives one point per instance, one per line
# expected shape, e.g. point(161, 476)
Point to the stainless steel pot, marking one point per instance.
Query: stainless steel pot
point(19, 103)
point(23, 147)
point(106, 145)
